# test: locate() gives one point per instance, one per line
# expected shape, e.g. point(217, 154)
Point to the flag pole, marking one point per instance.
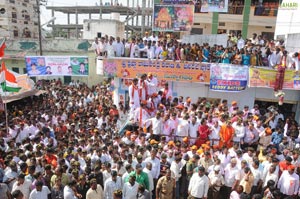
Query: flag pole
point(5, 105)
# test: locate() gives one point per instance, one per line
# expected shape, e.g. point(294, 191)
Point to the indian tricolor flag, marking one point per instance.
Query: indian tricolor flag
point(8, 80)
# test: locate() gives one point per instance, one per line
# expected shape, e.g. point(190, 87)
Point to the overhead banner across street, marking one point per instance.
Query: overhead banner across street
point(57, 65)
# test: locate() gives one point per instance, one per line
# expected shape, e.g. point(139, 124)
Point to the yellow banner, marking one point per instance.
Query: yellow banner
point(164, 70)
point(262, 77)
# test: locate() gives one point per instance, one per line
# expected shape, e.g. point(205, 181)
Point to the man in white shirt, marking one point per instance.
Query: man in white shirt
point(152, 84)
point(293, 61)
point(271, 175)
point(68, 190)
point(231, 177)
point(119, 48)
point(148, 170)
point(102, 47)
point(96, 46)
point(110, 50)
point(40, 191)
point(112, 184)
point(183, 127)
point(176, 167)
point(95, 191)
point(153, 37)
point(240, 42)
point(199, 184)
point(157, 126)
point(274, 58)
point(130, 188)
point(155, 171)
point(193, 130)
point(289, 182)
point(22, 185)
point(134, 97)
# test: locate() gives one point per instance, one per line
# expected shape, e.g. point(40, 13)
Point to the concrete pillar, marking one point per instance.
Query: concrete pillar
point(68, 18)
point(90, 15)
point(76, 22)
point(132, 23)
point(100, 9)
point(143, 17)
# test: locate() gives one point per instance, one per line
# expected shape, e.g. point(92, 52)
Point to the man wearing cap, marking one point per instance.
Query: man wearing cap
point(165, 188)
point(216, 182)
point(199, 184)
point(22, 185)
point(40, 191)
point(95, 190)
point(111, 184)
point(289, 182)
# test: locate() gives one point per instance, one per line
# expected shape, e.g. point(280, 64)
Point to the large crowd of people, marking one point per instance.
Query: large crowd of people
point(73, 142)
point(255, 51)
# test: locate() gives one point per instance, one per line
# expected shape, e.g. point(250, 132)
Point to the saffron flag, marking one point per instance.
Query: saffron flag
point(8, 80)
point(2, 47)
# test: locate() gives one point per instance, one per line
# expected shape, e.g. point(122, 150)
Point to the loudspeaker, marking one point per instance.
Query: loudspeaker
point(99, 34)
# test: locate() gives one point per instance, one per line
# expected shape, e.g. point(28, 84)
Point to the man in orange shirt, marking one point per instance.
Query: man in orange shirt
point(283, 165)
point(226, 134)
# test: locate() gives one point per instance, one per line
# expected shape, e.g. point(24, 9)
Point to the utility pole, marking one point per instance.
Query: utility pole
point(38, 11)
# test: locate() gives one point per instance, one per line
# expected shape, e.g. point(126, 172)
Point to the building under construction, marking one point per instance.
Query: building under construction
point(136, 19)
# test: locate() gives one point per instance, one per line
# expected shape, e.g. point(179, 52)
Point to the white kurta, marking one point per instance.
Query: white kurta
point(134, 98)
point(288, 184)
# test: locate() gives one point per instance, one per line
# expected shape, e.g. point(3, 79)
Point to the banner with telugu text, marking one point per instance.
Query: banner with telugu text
point(163, 70)
point(174, 17)
point(265, 78)
point(57, 65)
point(227, 77)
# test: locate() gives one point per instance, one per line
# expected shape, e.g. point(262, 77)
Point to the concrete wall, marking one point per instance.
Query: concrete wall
point(109, 27)
point(59, 47)
point(52, 45)
point(292, 43)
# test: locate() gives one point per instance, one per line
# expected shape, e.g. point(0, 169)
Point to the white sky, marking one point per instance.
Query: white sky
point(62, 18)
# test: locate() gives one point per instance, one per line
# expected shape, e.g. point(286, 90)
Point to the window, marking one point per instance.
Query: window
point(14, 15)
point(197, 31)
point(25, 22)
point(14, 21)
point(15, 69)
point(27, 17)
point(24, 71)
point(24, 4)
point(26, 1)
point(16, 33)
point(36, 23)
point(11, 1)
point(26, 33)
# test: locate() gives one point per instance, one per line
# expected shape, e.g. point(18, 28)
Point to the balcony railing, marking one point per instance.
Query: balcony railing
point(264, 10)
point(270, 11)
